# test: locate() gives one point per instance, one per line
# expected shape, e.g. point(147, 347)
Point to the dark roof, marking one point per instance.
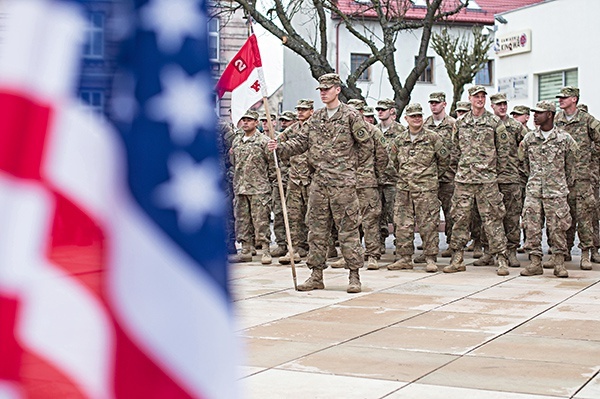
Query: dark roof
point(484, 15)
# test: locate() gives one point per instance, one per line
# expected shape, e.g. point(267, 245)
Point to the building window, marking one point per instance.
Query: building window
point(427, 75)
point(93, 100)
point(355, 61)
point(213, 39)
point(549, 84)
point(484, 76)
point(94, 43)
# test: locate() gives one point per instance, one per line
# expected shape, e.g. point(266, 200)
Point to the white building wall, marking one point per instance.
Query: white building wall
point(565, 34)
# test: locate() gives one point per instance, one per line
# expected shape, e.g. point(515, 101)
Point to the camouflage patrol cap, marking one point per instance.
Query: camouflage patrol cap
point(368, 111)
point(288, 116)
point(498, 98)
point(305, 104)
point(329, 80)
point(263, 117)
point(582, 107)
point(463, 106)
point(356, 103)
point(414, 109)
point(476, 89)
point(521, 110)
point(568, 91)
point(437, 97)
point(251, 115)
point(386, 103)
point(544, 106)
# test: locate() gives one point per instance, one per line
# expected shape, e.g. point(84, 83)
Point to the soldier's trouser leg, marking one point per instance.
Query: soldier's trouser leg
point(278, 223)
point(595, 226)
point(388, 195)
point(511, 196)
point(297, 206)
point(491, 209)
point(581, 203)
point(230, 222)
point(370, 211)
point(427, 216)
point(243, 219)
point(445, 192)
point(475, 226)
point(462, 214)
point(558, 221)
point(253, 211)
point(533, 222)
point(404, 223)
point(341, 204)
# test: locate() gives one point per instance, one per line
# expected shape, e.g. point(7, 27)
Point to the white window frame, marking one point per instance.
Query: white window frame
point(94, 48)
point(214, 25)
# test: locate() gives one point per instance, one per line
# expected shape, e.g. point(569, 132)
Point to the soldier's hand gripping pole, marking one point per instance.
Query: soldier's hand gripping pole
point(288, 237)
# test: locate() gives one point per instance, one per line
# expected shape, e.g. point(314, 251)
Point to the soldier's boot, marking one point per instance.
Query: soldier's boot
point(585, 263)
point(521, 250)
point(382, 248)
point(431, 267)
point(447, 253)
point(314, 282)
point(420, 247)
point(568, 257)
point(419, 259)
point(549, 264)
point(245, 254)
point(559, 268)
point(405, 262)
point(303, 253)
point(457, 264)
point(354, 286)
point(534, 268)
point(512, 258)
point(279, 251)
point(470, 247)
point(266, 258)
point(477, 250)
point(338, 264)
point(253, 250)
point(332, 252)
point(372, 264)
point(287, 258)
point(502, 269)
point(595, 258)
point(485, 260)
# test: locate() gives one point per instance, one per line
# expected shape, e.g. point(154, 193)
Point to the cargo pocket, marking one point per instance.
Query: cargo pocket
point(563, 217)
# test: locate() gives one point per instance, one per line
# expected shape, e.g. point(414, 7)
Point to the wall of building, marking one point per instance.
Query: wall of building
point(564, 34)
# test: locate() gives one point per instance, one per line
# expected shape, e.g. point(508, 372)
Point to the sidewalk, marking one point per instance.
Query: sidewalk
point(411, 334)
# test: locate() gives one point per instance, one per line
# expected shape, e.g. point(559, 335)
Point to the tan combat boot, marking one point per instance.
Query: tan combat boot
point(266, 258)
point(405, 262)
point(419, 259)
point(431, 267)
point(512, 258)
point(559, 268)
point(447, 253)
point(502, 269)
point(534, 268)
point(372, 264)
point(338, 264)
point(354, 286)
point(246, 253)
point(287, 258)
point(314, 282)
point(457, 264)
point(549, 264)
point(595, 258)
point(477, 250)
point(485, 260)
point(279, 251)
point(585, 263)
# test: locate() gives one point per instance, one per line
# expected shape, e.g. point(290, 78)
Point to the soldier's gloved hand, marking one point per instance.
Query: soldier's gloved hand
point(272, 145)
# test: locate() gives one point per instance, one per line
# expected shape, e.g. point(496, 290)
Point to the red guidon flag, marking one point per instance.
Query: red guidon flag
point(244, 78)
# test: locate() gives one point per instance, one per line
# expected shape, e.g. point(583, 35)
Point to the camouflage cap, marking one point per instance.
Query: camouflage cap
point(476, 89)
point(568, 91)
point(544, 106)
point(288, 116)
point(498, 98)
point(368, 111)
point(386, 103)
point(437, 97)
point(356, 103)
point(263, 117)
point(521, 110)
point(463, 106)
point(582, 107)
point(329, 80)
point(251, 114)
point(305, 103)
point(414, 109)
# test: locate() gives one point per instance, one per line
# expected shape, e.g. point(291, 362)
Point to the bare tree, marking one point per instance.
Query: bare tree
point(376, 23)
point(464, 56)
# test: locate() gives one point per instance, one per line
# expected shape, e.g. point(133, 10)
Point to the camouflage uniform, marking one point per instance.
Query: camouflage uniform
point(549, 163)
point(331, 144)
point(446, 187)
point(225, 139)
point(276, 207)
point(253, 174)
point(372, 162)
point(585, 130)
point(419, 164)
point(476, 142)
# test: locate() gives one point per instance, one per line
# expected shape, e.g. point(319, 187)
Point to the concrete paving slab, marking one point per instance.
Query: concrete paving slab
point(422, 391)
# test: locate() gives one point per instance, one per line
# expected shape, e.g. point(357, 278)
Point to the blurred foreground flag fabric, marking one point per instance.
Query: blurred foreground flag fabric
point(113, 279)
point(244, 78)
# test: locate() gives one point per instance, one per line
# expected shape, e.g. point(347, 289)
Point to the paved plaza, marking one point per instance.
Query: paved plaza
point(412, 334)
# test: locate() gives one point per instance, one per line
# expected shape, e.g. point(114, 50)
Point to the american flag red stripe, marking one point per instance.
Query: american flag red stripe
point(96, 301)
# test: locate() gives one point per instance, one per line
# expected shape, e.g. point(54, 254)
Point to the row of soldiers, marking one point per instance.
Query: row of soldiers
point(485, 170)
